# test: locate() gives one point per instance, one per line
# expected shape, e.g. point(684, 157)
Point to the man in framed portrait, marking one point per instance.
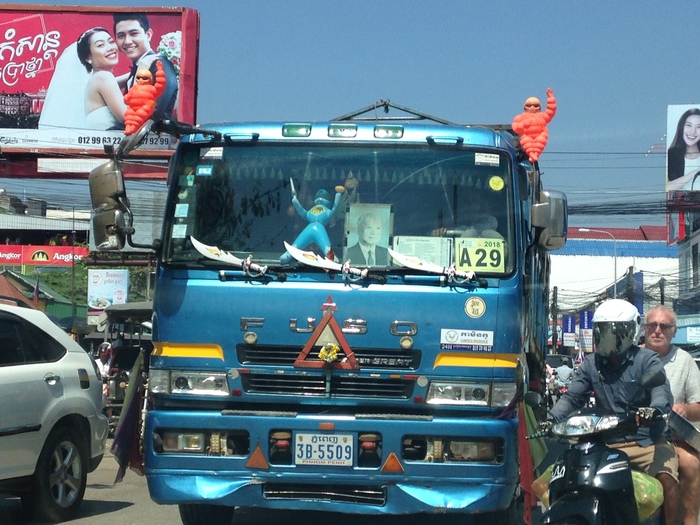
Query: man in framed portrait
point(367, 251)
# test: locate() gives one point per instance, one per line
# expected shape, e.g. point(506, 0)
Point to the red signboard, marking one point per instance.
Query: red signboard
point(15, 254)
point(64, 71)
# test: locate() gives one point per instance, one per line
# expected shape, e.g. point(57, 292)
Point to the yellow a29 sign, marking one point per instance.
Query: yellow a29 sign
point(485, 255)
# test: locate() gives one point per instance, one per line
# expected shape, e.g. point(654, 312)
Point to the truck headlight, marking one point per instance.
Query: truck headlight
point(470, 394)
point(458, 393)
point(191, 382)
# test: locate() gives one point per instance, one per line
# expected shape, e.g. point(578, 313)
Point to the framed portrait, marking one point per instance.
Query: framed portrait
point(368, 232)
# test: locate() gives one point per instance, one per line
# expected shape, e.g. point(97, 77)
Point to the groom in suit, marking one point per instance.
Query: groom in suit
point(133, 34)
point(366, 252)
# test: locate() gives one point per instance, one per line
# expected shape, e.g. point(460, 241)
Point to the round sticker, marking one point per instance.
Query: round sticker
point(496, 183)
point(475, 307)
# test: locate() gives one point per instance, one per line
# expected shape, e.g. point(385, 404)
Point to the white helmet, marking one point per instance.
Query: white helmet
point(615, 326)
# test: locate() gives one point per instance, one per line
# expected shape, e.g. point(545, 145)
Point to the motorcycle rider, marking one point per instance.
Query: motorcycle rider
point(104, 362)
point(563, 375)
point(609, 372)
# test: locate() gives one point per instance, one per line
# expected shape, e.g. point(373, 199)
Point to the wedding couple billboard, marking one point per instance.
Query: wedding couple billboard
point(64, 72)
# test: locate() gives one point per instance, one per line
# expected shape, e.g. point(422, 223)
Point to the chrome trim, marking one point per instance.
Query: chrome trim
point(311, 326)
point(354, 326)
point(251, 322)
point(411, 328)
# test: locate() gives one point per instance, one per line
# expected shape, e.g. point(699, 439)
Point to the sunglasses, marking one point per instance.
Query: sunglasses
point(654, 326)
point(532, 105)
point(143, 78)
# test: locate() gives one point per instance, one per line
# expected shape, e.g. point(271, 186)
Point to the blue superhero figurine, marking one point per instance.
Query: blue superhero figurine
point(318, 217)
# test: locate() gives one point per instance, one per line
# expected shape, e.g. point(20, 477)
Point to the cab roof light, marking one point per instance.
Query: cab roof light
point(384, 131)
point(296, 130)
point(346, 131)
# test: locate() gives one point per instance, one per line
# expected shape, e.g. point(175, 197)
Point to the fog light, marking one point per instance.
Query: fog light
point(472, 451)
point(183, 442)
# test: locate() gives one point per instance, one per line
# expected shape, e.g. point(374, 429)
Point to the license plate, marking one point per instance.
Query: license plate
point(335, 450)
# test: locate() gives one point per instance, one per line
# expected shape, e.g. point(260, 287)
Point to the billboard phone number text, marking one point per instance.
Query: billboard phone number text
point(96, 140)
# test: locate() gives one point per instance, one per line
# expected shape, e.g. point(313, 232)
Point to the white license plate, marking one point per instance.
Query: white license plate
point(335, 450)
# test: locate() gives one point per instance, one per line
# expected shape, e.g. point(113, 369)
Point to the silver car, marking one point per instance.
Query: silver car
point(52, 430)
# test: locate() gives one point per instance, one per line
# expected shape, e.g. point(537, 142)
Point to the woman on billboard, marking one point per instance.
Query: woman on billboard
point(684, 153)
point(104, 102)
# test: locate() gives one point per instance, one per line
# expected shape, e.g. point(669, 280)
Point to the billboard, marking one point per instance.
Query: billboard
point(105, 288)
point(64, 72)
point(683, 152)
point(16, 254)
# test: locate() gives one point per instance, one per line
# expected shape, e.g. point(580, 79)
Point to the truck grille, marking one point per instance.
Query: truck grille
point(382, 358)
point(334, 493)
point(315, 385)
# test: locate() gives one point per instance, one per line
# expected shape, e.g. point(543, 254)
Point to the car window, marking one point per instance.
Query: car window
point(39, 347)
point(21, 342)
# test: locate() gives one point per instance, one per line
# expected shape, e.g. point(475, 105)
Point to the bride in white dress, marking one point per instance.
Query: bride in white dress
point(84, 93)
point(104, 101)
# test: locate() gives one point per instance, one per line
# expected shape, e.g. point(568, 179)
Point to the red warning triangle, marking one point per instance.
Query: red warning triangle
point(328, 332)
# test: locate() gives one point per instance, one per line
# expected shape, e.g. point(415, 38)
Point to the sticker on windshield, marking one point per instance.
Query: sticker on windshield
point(179, 231)
point(216, 152)
point(496, 183)
point(486, 159)
point(480, 255)
point(205, 171)
point(472, 340)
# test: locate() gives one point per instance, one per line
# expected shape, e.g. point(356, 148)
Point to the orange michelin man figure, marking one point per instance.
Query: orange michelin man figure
point(531, 125)
point(141, 98)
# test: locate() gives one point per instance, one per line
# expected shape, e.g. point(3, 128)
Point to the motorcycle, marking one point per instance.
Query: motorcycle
point(592, 483)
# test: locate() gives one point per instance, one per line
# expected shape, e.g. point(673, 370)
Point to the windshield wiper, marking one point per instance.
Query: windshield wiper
point(250, 268)
point(452, 273)
point(348, 272)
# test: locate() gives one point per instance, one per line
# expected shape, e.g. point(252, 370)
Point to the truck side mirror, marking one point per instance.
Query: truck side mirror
point(107, 189)
point(109, 230)
point(110, 206)
point(550, 215)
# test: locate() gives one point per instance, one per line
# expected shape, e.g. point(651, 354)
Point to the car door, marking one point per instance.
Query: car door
point(31, 386)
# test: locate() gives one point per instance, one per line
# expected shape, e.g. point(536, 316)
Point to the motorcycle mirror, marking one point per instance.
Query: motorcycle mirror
point(652, 379)
point(535, 400)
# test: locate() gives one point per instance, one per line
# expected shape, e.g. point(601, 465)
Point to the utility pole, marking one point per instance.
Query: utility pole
point(662, 288)
point(73, 305)
point(555, 314)
point(629, 285)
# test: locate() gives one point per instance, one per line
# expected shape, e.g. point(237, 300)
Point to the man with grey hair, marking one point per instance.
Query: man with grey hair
point(684, 378)
point(367, 252)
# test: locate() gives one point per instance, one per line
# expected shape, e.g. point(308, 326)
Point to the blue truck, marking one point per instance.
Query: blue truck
point(346, 313)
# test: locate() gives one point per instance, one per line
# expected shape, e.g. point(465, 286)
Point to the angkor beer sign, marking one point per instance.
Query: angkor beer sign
point(15, 254)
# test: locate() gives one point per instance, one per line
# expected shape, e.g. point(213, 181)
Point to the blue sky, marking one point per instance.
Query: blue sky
point(614, 68)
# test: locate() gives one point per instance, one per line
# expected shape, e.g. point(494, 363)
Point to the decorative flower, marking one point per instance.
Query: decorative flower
point(170, 47)
point(329, 352)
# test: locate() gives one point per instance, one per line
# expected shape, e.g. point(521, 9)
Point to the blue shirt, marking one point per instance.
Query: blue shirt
point(616, 390)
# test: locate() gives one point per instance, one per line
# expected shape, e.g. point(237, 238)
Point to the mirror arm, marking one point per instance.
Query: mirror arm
point(129, 229)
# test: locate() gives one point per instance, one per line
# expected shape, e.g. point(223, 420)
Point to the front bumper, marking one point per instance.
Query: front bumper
point(418, 487)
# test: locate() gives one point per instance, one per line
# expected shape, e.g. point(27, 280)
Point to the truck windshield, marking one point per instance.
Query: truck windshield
point(349, 202)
